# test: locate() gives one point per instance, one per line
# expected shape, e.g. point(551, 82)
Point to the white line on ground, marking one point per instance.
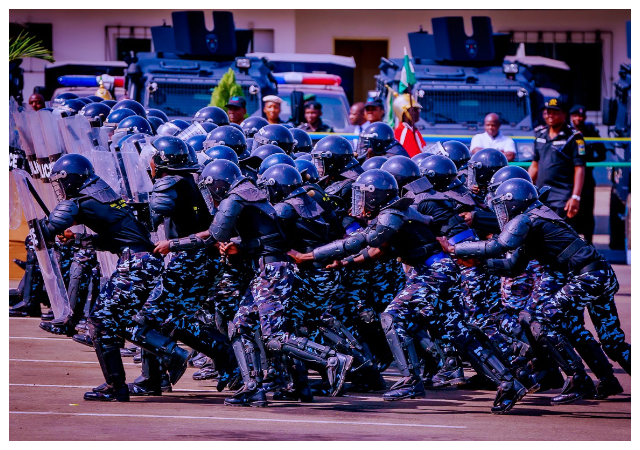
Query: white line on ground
point(43, 338)
point(61, 361)
point(240, 419)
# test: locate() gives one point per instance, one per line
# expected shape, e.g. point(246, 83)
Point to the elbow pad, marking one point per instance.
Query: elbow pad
point(192, 242)
point(482, 249)
point(338, 249)
point(63, 216)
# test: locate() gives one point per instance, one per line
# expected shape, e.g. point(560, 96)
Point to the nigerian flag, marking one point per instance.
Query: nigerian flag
point(408, 74)
point(389, 118)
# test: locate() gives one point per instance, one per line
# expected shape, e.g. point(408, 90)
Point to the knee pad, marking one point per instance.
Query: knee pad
point(386, 320)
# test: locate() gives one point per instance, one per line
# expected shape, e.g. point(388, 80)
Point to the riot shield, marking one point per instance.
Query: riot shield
point(436, 149)
point(104, 161)
point(49, 267)
point(75, 134)
point(15, 210)
point(136, 181)
point(194, 129)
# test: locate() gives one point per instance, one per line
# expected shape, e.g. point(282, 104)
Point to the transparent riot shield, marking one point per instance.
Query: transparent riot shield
point(194, 129)
point(45, 137)
point(436, 149)
point(104, 161)
point(15, 208)
point(75, 131)
point(49, 267)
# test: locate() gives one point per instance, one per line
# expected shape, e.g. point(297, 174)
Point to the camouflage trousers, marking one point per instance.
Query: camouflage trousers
point(123, 295)
point(561, 300)
point(314, 300)
point(186, 283)
point(431, 298)
point(268, 292)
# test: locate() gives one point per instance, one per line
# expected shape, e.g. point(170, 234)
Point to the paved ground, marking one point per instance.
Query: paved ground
point(48, 376)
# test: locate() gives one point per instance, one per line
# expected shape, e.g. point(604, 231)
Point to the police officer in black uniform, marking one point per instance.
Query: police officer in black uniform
point(87, 199)
point(559, 157)
point(596, 151)
point(377, 139)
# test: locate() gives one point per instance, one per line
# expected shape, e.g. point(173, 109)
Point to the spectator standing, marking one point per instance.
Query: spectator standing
point(313, 117)
point(596, 151)
point(407, 110)
point(272, 108)
point(237, 109)
point(356, 118)
point(493, 138)
point(559, 157)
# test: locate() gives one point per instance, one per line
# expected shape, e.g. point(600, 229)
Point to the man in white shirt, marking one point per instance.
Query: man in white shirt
point(492, 138)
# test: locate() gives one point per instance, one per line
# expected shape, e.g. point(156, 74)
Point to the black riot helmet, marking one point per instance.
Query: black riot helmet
point(332, 155)
point(95, 98)
point(277, 158)
point(212, 114)
point(115, 117)
point(458, 153)
point(373, 190)
point(378, 137)
point(133, 105)
point(153, 112)
point(483, 165)
point(280, 180)
point(374, 163)
point(95, 110)
point(71, 106)
point(229, 136)
point(260, 154)
point(216, 180)
point(403, 170)
point(174, 155)
point(251, 125)
point(85, 100)
point(222, 152)
point(302, 141)
point(208, 126)
point(135, 124)
point(307, 170)
point(70, 174)
point(155, 122)
point(109, 103)
point(196, 142)
point(419, 157)
point(512, 198)
point(439, 170)
point(275, 134)
point(507, 173)
point(304, 156)
point(62, 97)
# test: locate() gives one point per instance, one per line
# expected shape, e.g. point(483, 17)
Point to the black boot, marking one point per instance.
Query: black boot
point(335, 364)
point(406, 358)
point(247, 355)
point(509, 392)
point(115, 387)
point(83, 339)
point(575, 387)
point(299, 388)
point(149, 382)
point(63, 327)
point(451, 373)
point(606, 387)
point(594, 357)
point(172, 356)
point(29, 306)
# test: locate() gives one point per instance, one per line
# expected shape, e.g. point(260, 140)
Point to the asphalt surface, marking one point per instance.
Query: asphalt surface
point(48, 376)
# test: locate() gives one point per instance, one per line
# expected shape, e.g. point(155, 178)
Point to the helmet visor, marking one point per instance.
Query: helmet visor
point(318, 159)
point(358, 200)
point(436, 149)
point(208, 198)
point(58, 189)
point(364, 144)
point(499, 206)
point(472, 181)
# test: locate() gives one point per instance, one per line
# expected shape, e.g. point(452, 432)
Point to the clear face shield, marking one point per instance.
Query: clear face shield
point(499, 207)
point(472, 182)
point(318, 161)
point(206, 194)
point(436, 149)
point(359, 199)
point(258, 141)
point(364, 144)
point(58, 187)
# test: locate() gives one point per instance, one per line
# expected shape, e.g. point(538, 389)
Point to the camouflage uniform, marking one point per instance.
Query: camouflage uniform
point(124, 294)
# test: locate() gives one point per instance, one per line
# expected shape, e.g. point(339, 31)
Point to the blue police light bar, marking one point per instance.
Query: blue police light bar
point(90, 80)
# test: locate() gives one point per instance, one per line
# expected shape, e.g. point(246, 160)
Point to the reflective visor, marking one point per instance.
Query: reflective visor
point(318, 161)
point(208, 198)
point(357, 200)
point(471, 174)
point(363, 145)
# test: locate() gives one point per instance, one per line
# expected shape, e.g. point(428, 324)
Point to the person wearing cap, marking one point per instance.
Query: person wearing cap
point(596, 151)
point(373, 111)
point(237, 109)
point(313, 117)
point(492, 138)
point(559, 157)
point(271, 109)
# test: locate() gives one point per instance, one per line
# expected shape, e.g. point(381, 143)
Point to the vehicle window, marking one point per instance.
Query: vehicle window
point(333, 110)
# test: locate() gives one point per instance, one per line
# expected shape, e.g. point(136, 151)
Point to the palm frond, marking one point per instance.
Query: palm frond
point(25, 46)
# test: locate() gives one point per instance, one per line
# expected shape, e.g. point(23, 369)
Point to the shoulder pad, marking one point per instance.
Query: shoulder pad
point(63, 216)
point(397, 149)
point(100, 191)
point(248, 191)
point(401, 204)
point(514, 231)
point(413, 214)
point(305, 206)
point(285, 211)
point(165, 183)
point(390, 218)
point(163, 202)
point(230, 206)
point(418, 186)
point(463, 198)
point(543, 212)
point(337, 187)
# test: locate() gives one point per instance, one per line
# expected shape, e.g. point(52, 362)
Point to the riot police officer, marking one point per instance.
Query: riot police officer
point(377, 139)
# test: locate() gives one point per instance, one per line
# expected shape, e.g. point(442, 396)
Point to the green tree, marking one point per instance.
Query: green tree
point(226, 89)
point(24, 46)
